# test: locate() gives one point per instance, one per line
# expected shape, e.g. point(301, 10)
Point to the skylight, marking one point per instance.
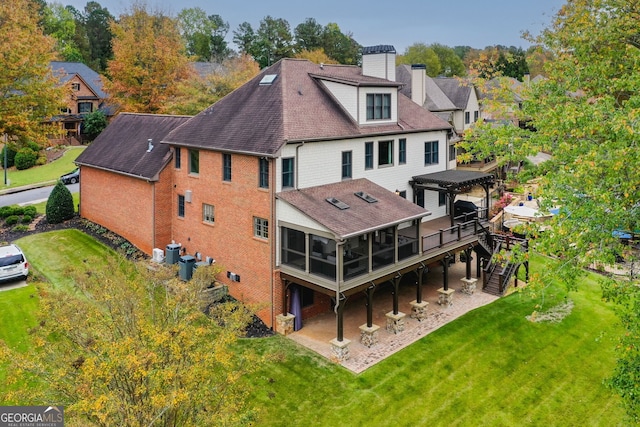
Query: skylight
point(268, 79)
point(366, 197)
point(337, 203)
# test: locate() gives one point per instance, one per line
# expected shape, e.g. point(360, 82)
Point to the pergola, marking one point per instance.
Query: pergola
point(453, 182)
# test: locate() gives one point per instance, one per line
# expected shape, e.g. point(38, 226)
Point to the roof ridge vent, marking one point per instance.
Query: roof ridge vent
point(366, 197)
point(337, 203)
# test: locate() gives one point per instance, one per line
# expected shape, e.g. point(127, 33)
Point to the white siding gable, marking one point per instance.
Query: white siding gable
point(346, 95)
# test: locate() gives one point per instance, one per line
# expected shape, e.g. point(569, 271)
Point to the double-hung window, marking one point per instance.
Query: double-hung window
point(368, 155)
point(226, 167)
point(385, 153)
point(263, 174)
point(207, 213)
point(176, 157)
point(181, 205)
point(378, 106)
point(85, 107)
point(431, 153)
point(402, 151)
point(260, 227)
point(467, 117)
point(287, 173)
point(346, 164)
point(194, 162)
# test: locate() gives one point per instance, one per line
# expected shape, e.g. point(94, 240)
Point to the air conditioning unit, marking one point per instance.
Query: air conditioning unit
point(187, 196)
point(158, 255)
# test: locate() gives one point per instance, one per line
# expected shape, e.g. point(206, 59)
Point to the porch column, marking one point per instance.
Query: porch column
point(488, 199)
point(285, 320)
point(369, 331)
point(468, 283)
point(339, 345)
point(445, 294)
point(451, 197)
point(478, 265)
point(395, 319)
point(419, 307)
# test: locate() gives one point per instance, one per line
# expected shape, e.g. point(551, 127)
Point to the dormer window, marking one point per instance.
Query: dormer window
point(378, 106)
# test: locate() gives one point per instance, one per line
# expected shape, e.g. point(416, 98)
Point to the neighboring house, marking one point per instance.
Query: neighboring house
point(86, 96)
point(308, 184)
point(126, 179)
point(453, 99)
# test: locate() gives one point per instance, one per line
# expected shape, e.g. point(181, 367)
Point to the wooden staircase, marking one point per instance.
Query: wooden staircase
point(499, 270)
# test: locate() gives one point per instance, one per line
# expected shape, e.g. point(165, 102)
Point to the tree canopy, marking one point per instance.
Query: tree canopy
point(149, 61)
point(585, 114)
point(29, 93)
point(133, 347)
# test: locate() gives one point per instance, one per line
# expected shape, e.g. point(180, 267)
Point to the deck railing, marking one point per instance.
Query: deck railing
point(443, 237)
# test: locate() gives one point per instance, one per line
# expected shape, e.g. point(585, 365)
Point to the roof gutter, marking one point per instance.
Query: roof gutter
point(382, 226)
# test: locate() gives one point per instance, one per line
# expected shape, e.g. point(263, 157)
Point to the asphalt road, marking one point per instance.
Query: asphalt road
point(36, 195)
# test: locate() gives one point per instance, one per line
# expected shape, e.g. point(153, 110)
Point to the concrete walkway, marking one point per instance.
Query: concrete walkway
point(317, 332)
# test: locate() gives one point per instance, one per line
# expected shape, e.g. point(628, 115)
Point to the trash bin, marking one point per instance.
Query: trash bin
point(186, 263)
point(173, 253)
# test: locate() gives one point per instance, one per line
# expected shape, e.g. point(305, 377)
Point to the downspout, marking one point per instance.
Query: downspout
point(153, 215)
point(274, 236)
point(297, 165)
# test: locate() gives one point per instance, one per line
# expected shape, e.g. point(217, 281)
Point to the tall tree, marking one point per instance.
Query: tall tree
point(450, 63)
point(133, 348)
point(308, 35)
point(204, 35)
point(273, 41)
point(59, 22)
point(586, 114)
point(420, 53)
point(340, 46)
point(29, 93)
point(96, 22)
point(149, 61)
point(244, 37)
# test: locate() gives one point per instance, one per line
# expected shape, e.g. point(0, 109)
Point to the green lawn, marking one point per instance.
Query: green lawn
point(489, 367)
point(46, 173)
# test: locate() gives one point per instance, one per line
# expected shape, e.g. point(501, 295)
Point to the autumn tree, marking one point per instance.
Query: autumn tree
point(587, 115)
point(202, 90)
point(29, 92)
point(316, 56)
point(133, 347)
point(149, 61)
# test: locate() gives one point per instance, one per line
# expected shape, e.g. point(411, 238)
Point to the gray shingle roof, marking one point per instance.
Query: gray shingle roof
point(435, 99)
point(66, 70)
point(455, 90)
point(361, 216)
point(123, 146)
point(259, 119)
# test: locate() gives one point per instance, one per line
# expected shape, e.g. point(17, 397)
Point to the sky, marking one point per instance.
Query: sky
point(457, 23)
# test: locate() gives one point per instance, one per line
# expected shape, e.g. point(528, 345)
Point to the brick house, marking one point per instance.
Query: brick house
point(311, 183)
point(85, 96)
point(126, 181)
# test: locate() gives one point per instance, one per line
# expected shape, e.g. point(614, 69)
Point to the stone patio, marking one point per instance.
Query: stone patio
point(318, 333)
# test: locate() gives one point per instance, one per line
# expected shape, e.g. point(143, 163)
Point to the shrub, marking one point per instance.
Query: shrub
point(11, 220)
point(25, 158)
point(33, 146)
point(30, 210)
point(42, 160)
point(7, 211)
point(21, 227)
point(60, 204)
point(11, 154)
point(27, 219)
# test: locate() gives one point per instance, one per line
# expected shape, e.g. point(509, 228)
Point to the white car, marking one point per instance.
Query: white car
point(13, 263)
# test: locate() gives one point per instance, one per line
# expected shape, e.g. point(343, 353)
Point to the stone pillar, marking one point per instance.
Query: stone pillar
point(395, 322)
point(469, 285)
point(445, 297)
point(419, 310)
point(340, 350)
point(284, 323)
point(369, 335)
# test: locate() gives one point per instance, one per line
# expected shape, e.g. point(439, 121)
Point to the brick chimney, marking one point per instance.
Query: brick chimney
point(379, 61)
point(418, 83)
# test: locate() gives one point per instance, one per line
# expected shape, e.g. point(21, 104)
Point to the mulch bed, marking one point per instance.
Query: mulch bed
point(255, 329)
